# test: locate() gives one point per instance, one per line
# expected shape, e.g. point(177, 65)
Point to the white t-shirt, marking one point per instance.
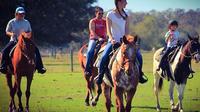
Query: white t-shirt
point(117, 26)
point(174, 39)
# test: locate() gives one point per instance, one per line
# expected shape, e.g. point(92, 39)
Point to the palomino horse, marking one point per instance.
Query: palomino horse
point(23, 65)
point(124, 73)
point(179, 69)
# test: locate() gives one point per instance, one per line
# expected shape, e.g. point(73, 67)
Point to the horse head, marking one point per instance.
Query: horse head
point(26, 44)
point(192, 48)
point(128, 53)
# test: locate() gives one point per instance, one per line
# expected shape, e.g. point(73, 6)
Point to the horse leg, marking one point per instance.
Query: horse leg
point(12, 89)
point(88, 92)
point(180, 88)
point(19, 92)
point(171, 93)
point(156, 90)
point(96, 98)
point(107, 95)
point(129, 98)
point(119, 99)
point(28, 93)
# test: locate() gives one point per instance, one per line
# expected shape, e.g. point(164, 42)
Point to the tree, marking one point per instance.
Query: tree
point(53, 21)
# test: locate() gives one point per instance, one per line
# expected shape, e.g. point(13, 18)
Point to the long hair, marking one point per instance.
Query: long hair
point(116, 5)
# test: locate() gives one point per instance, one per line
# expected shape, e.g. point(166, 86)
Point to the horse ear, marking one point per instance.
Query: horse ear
point(124, 40)
point(189, 36)
point(136, 39)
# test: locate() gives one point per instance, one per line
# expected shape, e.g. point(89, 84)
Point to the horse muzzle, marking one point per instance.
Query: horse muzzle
point(197, 58)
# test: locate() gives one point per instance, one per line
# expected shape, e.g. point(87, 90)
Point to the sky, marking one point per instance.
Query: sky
point(147, 5)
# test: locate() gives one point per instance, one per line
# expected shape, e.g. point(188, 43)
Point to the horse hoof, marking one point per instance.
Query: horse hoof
point(26, 109)
point(158, 110)
point(181, 110)
point(94, 103)
point(20, 109)
point(87, 104)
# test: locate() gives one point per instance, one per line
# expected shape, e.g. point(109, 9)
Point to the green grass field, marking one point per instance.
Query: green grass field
point(60, 90)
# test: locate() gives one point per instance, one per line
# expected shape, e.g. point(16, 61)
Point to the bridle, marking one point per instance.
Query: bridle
point(191, 55)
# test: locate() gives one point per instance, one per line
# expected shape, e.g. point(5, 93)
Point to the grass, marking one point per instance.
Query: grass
point(60, 90)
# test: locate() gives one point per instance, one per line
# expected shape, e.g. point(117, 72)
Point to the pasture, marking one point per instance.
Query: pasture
point(60, 90)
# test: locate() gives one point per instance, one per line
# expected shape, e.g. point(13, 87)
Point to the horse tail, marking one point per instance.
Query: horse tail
point(160, 84)
point(81, 57)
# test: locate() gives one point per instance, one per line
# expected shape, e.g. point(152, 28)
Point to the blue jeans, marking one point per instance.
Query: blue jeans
point(104, 61)
point(140, 60)
point(6, 58)
point(90, 55)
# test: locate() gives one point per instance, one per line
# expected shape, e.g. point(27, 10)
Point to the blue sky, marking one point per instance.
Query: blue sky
point(147, 5)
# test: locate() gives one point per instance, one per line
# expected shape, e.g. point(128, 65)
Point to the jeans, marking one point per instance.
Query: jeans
point(104, 61)
point(166, 53)
point(90, 55)
point(5, 53)
point(140, 60)
point(6, 58)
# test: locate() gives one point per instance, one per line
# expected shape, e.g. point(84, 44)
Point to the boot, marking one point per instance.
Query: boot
point(3, 70)
point(142, 79)
point(41, 70)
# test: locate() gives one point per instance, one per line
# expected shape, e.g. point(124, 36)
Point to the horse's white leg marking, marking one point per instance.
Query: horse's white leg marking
point(171, 92)
point(180, 89)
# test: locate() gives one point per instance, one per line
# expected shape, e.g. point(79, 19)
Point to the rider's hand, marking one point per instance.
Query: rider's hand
point(28, 35)
point(113, 41)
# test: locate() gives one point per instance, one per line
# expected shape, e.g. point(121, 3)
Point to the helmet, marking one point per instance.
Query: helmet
point(172, 22)
point(19, 10)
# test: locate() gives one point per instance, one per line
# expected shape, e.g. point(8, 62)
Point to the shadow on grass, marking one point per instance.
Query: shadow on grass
point(148, 107)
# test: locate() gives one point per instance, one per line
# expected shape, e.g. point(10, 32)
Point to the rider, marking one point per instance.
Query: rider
point(15, 27)
point(171, 39)
point(117, 21)
point(97, 28)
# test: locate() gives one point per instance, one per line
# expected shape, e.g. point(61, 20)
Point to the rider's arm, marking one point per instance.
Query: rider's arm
point(167, 37)
point(108, 28)
point(92, 29)
point(9, 29)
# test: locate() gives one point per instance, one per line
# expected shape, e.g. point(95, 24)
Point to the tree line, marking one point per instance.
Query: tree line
point(63, 22)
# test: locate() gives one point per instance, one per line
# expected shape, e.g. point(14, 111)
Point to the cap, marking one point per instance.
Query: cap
point(20, 10)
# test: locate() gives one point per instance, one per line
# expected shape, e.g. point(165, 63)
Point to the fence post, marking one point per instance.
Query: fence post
point(71, 58)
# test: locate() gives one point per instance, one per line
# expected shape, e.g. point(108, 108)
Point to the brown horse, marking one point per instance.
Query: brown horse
point(23, 64)
point(124, 73)
point(89, 80)
point(179, 69)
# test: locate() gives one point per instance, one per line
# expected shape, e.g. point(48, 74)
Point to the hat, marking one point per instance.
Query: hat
point(20, 10)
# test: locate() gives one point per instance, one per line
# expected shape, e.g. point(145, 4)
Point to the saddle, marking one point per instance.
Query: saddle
point(169, 60)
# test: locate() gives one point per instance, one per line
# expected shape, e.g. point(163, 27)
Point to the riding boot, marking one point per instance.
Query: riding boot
point(142, 78)
point(3, 68)
point(39, 65)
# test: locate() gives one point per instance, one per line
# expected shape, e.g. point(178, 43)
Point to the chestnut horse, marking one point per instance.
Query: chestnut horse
point(179, 69)
point(124, 73)
point(22, 64)
point(89, 79)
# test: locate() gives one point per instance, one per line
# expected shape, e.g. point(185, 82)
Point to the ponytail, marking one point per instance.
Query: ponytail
point(116, 5)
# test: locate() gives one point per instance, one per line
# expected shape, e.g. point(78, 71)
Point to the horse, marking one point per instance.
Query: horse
point(179, 69)
point(22, 64)
point(124, 76)
point(89, 79)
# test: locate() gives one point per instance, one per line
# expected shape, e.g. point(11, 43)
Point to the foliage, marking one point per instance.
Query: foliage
point(53, 21)
point(58, 22)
